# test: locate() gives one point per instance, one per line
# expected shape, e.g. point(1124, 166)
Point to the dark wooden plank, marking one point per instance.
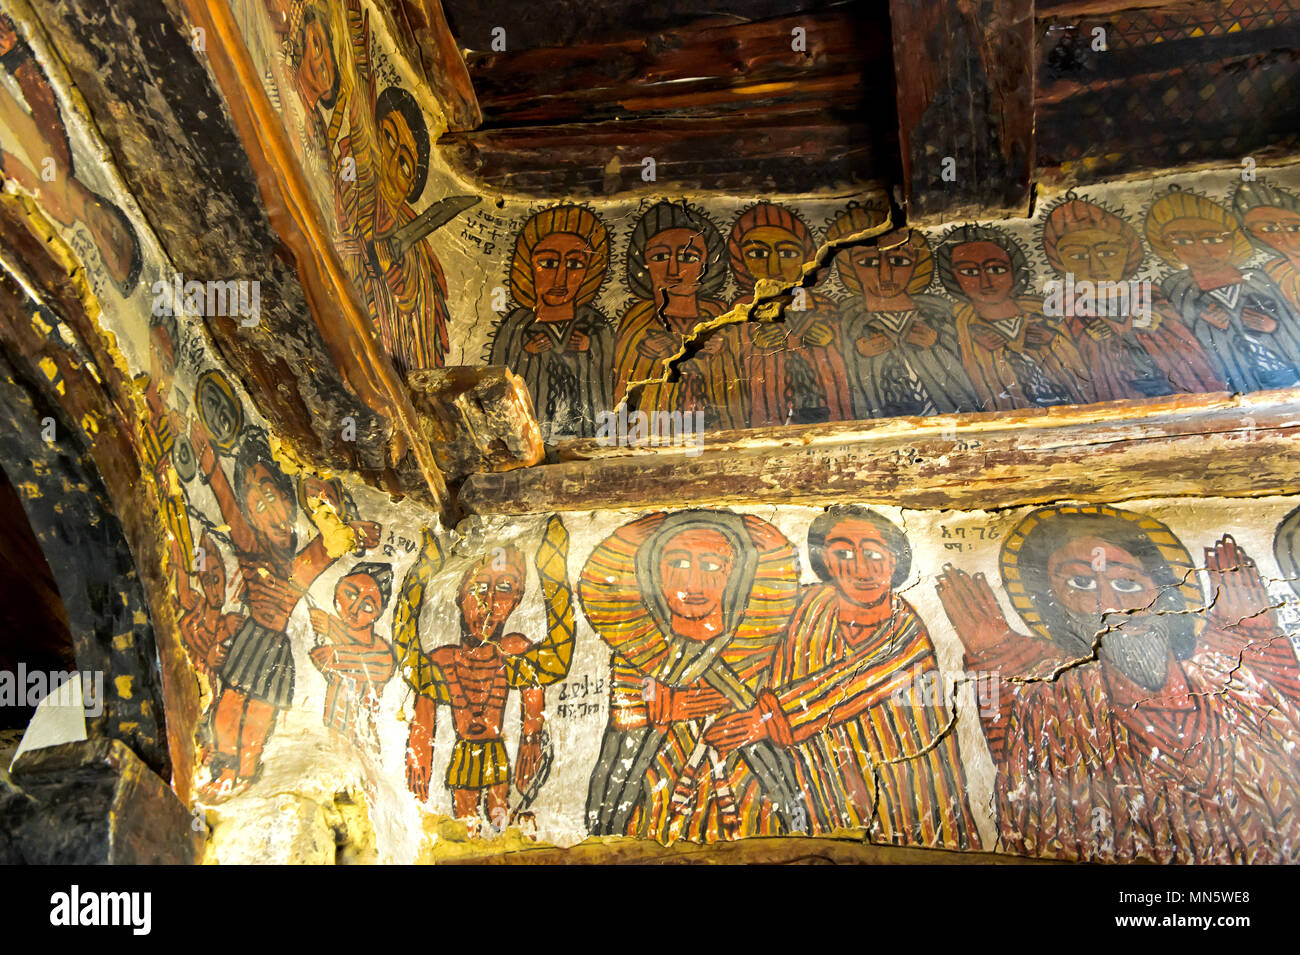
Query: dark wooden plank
point(780, 151)
point(1205, 445)
point(1192, 82)
point(965, 78)
point(846, 62)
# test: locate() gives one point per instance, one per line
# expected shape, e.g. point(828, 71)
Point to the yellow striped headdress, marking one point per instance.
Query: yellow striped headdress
point(565, 218)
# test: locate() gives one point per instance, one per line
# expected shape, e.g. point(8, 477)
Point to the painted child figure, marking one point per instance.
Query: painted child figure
point(355, 661)
point(258, 670)
point(474, 678)
point(205, 630)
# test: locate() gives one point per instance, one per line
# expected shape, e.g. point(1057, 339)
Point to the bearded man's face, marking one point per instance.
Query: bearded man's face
point(1099, 588)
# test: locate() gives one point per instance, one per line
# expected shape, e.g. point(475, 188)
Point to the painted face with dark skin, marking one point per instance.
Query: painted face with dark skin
point(772, 253)
point(1200, 244)
point(675, 261)
point(1103, 589)
point(397, 158)
point(269, 511)
point(358, 601)
point(317, 71)
point(314, 488)
point(560, 264)
point(212, 576)
point(1091, 576)
point(884, 272)
point(694, 568)
point(1093, 255)
point(488, 596)
point(983, 270)
point(860, 562)
point(1278, 228)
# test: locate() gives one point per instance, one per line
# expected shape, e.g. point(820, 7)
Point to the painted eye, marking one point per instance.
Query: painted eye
point(505, 587)
point(680, 563)
point(1105, 253)
point(968, 271)
point(1183, 241)
point(1082, 582)
point(789, 253)
point(875, 555)
point(998, 270)
point(1214, 240)
point(576, 263)
point(757, 254)
point(689, 257)
point(368, 607)
point(712, 566)
point(658, 256)
point(843, 553)
point(1293, 227)
point(405, 167)
point(899, 261)
point(1125, 585)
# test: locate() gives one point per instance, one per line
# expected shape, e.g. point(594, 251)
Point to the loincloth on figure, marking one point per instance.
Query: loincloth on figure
point(260, 664)
point(478, 764)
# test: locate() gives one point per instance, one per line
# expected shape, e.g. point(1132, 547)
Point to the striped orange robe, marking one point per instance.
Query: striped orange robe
point(717, 389)
point(992, 369)
point(1201, 771)
point(355, 673)
point(726, 800)
point(849, 728)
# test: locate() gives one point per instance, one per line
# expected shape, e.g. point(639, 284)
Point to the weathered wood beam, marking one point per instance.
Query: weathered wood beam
point(965, 80)
point(1192, 83)
point(724, 63)
point(778, 151)
point(440, 61)
point(1214, 444)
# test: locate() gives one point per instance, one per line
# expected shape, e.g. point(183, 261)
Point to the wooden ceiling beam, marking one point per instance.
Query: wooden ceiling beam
point(965, 81)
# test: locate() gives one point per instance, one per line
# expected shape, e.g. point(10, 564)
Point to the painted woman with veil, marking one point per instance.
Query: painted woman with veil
point(692, 605)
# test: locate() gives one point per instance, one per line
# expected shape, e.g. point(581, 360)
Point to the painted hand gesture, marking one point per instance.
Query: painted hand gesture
point(873, 345)
point(367, 533)
point(657, 344)
point(202, 445)
point(537, 342)
point(972, 608)
point(578, 341)
point(419, 748)
point(1240, 594)
point(923, 335)
point(1257, 321)
point(737, 729)
point(527, 760)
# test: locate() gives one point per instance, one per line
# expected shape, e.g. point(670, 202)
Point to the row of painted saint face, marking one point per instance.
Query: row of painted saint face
point(890, 347)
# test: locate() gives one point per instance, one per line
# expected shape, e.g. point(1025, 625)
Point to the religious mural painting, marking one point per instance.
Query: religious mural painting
point(1129, 351)
point(1137, 720)
point(899, 343)
point(555, 338)
point(674, 268)
point(1239, 314)
point(691, 605)
point(257, 674)
point(473, 677)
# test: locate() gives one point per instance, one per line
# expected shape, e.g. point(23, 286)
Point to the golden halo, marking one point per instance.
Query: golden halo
point(1166, 543)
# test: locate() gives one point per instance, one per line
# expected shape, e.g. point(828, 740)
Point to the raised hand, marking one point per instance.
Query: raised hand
point(202, 445)
point(367, 533)
point(922, 335)
point(973, 609)
point(1241, 596)
point(578, 341)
